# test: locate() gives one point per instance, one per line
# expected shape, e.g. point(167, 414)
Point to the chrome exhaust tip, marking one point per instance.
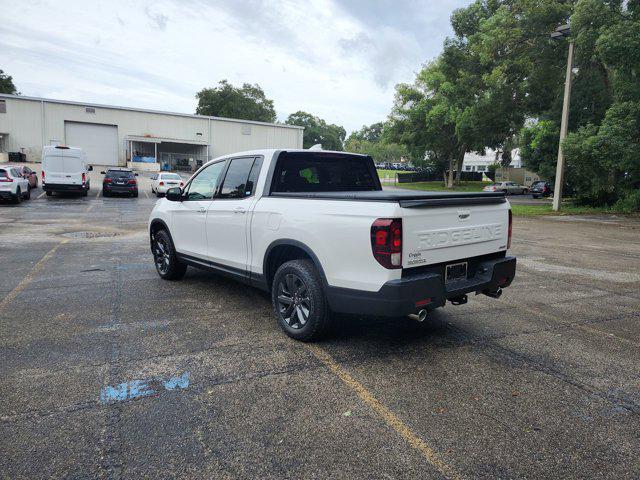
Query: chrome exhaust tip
point(421, 316)
point(495, 294)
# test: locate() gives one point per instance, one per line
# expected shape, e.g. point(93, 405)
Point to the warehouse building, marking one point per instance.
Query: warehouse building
point(121, 136)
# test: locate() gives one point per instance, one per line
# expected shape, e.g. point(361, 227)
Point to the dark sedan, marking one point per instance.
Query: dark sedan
point(119, 180)
point(540, 189)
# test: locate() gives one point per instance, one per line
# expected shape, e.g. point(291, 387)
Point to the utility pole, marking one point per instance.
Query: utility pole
point(562, 32)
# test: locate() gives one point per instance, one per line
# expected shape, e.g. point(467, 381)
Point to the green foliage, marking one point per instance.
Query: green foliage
point(380, 152)
point(371, 133)
point(499, 83)
point(316, 130)
point(539, 147)
point(602, 161)
point(6, 84)
point(246, 103)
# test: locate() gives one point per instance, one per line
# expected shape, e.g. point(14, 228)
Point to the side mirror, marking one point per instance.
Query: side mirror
point(136, 174)
point(174, 194)
point(90, 168)
point(103, 173)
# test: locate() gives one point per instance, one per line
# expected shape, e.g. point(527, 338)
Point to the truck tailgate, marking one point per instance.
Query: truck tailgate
point(446, 233)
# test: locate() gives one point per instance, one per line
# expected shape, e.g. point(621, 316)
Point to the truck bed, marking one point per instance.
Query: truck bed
point(406, 199)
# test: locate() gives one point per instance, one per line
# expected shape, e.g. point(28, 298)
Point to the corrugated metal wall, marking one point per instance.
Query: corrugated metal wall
point(23, 124)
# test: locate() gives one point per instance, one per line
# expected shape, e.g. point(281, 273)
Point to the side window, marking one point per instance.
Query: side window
point(236, 181)
point(203, 186)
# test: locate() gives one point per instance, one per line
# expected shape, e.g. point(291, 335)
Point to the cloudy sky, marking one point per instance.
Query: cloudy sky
point(338, 59)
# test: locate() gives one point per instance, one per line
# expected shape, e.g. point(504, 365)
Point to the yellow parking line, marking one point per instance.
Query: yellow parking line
point(42, 194)
point(98, 194)
point(387, 415)
point(30, 276)
point(146, 194)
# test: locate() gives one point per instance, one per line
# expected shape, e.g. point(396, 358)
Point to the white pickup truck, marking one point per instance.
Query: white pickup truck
point(316, 230)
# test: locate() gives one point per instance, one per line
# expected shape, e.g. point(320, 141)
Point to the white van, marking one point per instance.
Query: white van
point(65, 169)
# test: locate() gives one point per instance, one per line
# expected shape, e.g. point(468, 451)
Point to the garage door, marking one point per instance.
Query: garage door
point(100, 142)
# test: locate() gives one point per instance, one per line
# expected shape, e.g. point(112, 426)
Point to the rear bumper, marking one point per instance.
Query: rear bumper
point(120, 188)
point(63, 187)
point(7, 195)
point(399, 297)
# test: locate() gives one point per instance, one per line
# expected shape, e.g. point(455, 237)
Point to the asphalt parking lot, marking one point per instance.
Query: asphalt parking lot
point(109, 372)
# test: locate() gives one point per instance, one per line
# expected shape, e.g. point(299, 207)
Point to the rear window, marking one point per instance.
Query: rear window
point(324, 172)
point(3, 173)
point(118, 174)
point(170, 176)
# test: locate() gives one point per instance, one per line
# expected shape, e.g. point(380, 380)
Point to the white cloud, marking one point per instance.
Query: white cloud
point(334, 59)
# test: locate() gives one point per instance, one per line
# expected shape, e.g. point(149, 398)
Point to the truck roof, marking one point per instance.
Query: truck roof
point(270, 151)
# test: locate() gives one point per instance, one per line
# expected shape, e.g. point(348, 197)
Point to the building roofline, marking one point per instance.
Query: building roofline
point(144, 110)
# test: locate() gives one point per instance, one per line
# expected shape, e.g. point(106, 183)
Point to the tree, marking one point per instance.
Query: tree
point(246, 103)
point(316, 130)
point(6, 84)
point(371, 133)
point(381, 152)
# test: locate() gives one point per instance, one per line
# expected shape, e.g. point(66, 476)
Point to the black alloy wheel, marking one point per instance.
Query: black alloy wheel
point(294, 303)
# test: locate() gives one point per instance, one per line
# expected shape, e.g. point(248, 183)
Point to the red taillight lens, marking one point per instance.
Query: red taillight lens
point(6, 179)
point(386, 242)
point(161, 184)
point(132, 182)
point(42, 175)
point(84, 178)
point(182, 184)
point(493, 189)
point(510, 229)
point(107, 180)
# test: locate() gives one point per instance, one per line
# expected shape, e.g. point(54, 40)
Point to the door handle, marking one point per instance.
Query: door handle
point(239, 210)
point(202, 210)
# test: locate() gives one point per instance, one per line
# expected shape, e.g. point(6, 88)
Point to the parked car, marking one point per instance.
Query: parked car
point(161, 182)
point(13, 185)
point(30, 175)
point(541, 189)
point(65, 170)
point(509, 188)
point(316, 230)
point(119, 180)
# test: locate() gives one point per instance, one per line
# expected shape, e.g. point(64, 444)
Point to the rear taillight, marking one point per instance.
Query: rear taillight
point(510, 229)
point(182, 184)
point(107, 180)
point(131, 182)
point(386, 242)
point(6, 179)
point(42, 176)
point(84, 178)
point(161, 184)
point(493, 189)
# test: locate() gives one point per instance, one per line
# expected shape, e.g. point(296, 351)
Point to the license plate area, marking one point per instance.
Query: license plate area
point(455, 272)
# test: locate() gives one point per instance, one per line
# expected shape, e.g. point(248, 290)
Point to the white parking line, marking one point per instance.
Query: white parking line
point(42, 194)
point(146, 194)
point(98, 194)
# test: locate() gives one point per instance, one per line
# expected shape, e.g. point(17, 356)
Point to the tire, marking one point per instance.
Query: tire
point(27, 195)
point(48, 193)
point(535, 196)
point(158, 194)
point(105, 193)
point(135, 194)
point(165, 259)
point(18, 197)
point(297, 283)
point(85, 192)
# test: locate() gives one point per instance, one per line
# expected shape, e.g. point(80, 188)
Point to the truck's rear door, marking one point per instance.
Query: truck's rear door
point(436, 234)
